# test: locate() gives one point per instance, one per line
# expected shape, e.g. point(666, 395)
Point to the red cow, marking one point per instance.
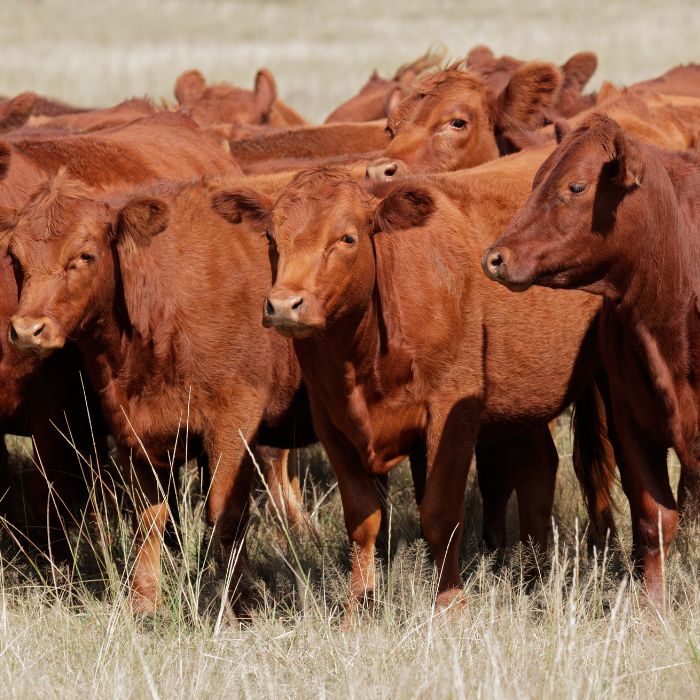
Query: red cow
point(161, 297)
point(225, 104)
point(33, 396)
point(621, 219)
point(453, 120)
point(396, 368)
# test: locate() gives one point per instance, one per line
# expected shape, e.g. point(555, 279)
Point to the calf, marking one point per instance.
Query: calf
point(160, 296)
point(453, 120)
point(621, 219)
point(395, 368)
point(36, 398)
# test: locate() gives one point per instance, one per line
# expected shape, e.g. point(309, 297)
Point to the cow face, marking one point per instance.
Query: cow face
point(225, 104)
point(453, 120)
point(320, 233)
point(563, 236)
point(63, 247)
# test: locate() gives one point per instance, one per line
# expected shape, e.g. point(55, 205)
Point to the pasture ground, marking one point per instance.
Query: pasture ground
point(582, 630)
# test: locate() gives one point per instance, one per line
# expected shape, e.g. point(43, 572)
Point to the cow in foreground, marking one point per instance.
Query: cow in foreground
point(395, 368)
point(621, 219)
point(161, 297)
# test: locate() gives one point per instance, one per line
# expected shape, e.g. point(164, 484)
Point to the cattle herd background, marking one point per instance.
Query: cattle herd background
point(402, 398)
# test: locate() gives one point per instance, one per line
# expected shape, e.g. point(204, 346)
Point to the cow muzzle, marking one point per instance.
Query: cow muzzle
point(497, 264)
point(288, 314)
point(34, 334)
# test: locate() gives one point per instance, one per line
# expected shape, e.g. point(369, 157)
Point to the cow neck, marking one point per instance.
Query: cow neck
point(654, 295)
point(651, 285)
point(111, 347)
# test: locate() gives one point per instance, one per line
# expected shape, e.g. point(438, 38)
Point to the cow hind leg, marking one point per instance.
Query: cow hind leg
point(535, 467)
point(495, 478)
point(451, 440)
point(644, 477)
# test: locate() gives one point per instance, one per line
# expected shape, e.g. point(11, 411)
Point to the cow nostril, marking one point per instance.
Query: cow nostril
point(269, 308)
point(297, 303)
point(13, 333)
point(495, 261)
point(391, 169)
point(38, 329)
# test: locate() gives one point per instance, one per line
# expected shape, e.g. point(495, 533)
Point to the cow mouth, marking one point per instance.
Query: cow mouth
point(296, 331)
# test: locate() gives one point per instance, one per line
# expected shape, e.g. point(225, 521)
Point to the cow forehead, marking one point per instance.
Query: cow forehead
point(583, 155)
point(315, 215)
point(461, 90)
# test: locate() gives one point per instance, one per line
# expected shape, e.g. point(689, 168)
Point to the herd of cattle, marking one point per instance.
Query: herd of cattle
point(152, 249)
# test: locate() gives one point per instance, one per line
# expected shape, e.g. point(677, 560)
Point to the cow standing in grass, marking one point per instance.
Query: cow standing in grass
point(621, 219)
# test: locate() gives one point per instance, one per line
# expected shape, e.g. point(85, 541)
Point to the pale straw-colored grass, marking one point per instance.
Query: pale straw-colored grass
point(581, 631)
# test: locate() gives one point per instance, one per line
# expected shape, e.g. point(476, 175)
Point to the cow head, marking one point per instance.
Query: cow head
point(564, 235)
point(63, 246)
point(320, 232)
point(453, 120)
point(225, 104)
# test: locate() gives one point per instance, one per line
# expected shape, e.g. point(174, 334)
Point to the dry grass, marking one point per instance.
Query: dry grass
point(581, 631)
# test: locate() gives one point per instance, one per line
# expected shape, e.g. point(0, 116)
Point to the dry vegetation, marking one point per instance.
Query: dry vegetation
point(582, 630)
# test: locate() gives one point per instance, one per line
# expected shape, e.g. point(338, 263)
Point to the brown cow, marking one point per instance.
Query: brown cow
point(396, 368)
point(225, 104)
point(32, 397)
point(453, 120)
point(380, 95)
point(621, 219)
point(576, 72)
point(145, 284)
point(16, 111)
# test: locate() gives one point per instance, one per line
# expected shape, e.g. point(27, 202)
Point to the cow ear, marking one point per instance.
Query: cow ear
point(403, 208)
point(244, 204)
point(480, 58)
point(5, 156)
point(561, 129)
point(629, 159)
point(15, 112)
point(577, 71)
point(138, 221)
point(532, 89)
point(392, 100)
point(189, 86)
point(265, 91)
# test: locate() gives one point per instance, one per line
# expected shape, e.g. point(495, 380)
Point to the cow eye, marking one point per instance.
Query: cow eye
point(458, 123)
point(87, 257)
point(349, 239)
point(577, 187)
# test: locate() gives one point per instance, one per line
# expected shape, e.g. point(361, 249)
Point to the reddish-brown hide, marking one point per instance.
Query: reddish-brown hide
point(225, 104)
point(452, 120)
point(34, 395)
point(621, 219)
point(284, 150)
point(394, 368)
point(95, 119)
point(162, 298)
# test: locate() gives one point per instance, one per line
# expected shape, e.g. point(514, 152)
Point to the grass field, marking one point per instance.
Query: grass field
point(581, 631)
